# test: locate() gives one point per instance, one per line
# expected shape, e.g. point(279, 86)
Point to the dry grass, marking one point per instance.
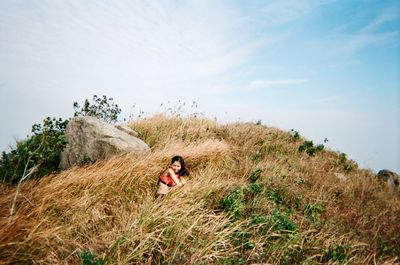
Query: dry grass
point(108, 207)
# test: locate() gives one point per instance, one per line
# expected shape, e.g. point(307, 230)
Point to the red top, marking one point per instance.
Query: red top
point(167, 180)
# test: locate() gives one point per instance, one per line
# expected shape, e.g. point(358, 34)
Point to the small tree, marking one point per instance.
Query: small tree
point(100, 107)
point(40, 151)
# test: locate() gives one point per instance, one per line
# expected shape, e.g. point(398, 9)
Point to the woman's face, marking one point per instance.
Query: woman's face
point(176, 166)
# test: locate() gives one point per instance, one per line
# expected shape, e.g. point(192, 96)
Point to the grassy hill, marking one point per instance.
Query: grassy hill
point(252, 197)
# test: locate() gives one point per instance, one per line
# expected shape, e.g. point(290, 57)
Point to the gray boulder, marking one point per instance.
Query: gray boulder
point(90, 139)
point(392, 179)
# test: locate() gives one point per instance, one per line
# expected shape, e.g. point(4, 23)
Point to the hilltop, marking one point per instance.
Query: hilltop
point(256, 194)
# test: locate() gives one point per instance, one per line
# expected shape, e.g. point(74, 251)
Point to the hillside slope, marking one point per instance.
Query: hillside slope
point(252, 197)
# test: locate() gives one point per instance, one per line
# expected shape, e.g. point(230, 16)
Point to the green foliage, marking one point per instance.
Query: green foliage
point(275, 195)
point(254, 188)
point(42, 149)
point(101, 107)
point(295, 134)
point(335, 253)
point(40, 153)
point(88, 258)
point(280, 221)
point(255, 175)
point(258, 219)
point(313, 211)
point(232, 203)
point(344, 163)
point(310, 149)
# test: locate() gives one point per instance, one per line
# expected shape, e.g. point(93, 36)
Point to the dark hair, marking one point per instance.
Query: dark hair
point(183, 171)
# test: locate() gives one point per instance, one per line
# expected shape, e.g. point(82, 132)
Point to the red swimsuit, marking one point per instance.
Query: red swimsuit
point(167, 180)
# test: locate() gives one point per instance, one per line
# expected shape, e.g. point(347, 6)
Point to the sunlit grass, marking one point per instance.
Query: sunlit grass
point(290, 207)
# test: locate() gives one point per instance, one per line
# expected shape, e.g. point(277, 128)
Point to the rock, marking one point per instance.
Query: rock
point(90, 139)
point(127, 129)
point(392, 179)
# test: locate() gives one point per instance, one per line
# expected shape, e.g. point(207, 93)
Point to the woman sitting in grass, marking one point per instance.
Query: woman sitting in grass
point(172, 177)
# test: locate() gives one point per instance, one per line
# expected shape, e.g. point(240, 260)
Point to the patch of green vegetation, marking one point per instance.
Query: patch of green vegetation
point(275, 195)
point(88, 258)
point(310, 149)
point(255, 175)
point(295, 134)
point(280, 222)
point(102, 108)
point(299, 181)
point(313, 211)
point(254, 188)
point(232, 203)
point(343, 162)
point(38, 155)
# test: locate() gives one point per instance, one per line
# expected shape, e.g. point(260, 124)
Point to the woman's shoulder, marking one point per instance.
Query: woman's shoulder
point(168, 171)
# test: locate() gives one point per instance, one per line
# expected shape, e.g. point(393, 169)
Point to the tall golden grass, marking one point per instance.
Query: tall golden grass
point(107, 209)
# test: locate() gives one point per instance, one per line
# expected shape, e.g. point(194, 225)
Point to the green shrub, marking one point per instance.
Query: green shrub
point(101, 107)
point(281, 222)
point(295, 134)
point(310, 149)
point(232, 203)
point(343, 162)
point(39, 152)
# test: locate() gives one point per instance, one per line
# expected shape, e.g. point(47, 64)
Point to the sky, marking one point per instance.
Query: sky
point(328, 68)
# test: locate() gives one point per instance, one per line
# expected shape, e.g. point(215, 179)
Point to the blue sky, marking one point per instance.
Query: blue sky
point(329, 69)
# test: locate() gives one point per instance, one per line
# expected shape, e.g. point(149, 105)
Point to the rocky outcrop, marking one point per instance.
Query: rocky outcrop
point(392, 179)
point(90, 139)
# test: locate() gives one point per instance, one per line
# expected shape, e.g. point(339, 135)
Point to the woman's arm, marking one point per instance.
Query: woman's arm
point(173, 176)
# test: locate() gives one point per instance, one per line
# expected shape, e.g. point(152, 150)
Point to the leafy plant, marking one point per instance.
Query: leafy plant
point(232, 203)
point(255, 175)
point(275, 195)
point(40, 151)
point(254, 188)
point(295, 134)
point(313, 211)
point(281, 222)
point(310, 149)
point(101, 107)
point(344, 163)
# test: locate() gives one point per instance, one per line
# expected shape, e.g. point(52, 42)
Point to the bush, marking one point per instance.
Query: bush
point(39, 152)
point(310, 149)
point(101, 107)
point(232, 203)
